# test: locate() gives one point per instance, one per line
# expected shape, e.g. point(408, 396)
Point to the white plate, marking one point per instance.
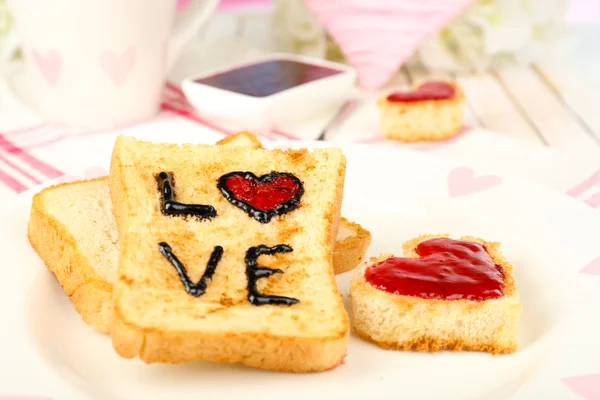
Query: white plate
point(46, 350)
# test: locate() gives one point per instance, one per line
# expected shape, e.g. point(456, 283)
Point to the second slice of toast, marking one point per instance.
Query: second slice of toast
point(268, 300)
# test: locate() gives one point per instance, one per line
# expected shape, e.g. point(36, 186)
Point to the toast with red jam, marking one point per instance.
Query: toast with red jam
point(72, 229)
point(432, 111)
point(444, 294)
point(226, 255)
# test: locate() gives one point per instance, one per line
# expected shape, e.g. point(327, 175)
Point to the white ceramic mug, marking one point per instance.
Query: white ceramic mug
point(102, 63)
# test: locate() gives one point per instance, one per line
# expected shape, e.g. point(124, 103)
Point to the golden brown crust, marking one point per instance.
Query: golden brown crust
point(93, 302)
point(492, 324)
point(115, 182)
point(86, 289)
point(427, 120)
point(285, 354)
point(241, 136)
point(434, 344)
point(333, 214)
point(350, 251)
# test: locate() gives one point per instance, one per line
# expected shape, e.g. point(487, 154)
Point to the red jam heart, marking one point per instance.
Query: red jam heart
point(262, 197)
point(428, 91)
point(447, 269)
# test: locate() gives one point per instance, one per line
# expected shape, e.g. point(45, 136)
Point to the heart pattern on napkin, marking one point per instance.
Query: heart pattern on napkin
point(118, 67)
point(378, 36)
point(182, 5)
point(49, 64)
point(462, 181)
point(587, 386)
point(593, 268)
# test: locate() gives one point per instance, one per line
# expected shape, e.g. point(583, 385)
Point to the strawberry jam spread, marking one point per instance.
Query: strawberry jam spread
point(428, 91)
point(447, 270)
point(262, 197)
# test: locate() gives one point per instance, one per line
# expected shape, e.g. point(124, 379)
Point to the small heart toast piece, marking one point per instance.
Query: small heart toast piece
point(431, 111)
point(446, 294)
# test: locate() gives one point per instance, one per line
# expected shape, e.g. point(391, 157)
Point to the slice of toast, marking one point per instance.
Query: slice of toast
point(212, 268)
point(78, 242)
point(403, 322)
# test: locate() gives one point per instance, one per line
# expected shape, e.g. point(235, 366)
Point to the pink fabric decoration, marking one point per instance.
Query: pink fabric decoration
point(378, 36)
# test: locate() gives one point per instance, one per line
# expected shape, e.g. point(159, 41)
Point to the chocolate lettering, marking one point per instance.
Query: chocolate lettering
point(254, 272)
point(172, 207)
point(195, 289)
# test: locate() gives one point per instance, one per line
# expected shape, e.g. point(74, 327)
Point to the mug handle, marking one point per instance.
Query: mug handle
point(187, 23)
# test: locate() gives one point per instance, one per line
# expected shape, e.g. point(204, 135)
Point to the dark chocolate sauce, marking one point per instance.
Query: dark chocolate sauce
point(446, 269)
point(195, 289)
point(267, 77)
point(254, 272)
point(172, 207)
point(262, 197)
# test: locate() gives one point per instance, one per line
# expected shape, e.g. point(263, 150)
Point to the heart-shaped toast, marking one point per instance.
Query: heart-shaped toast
point(447, 269)
point(434, 90)
point(262, 197)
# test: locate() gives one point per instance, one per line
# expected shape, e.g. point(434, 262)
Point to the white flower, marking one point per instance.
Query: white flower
point(295, 29)
point(505, 28)
point(5, 19)
point(493, 31)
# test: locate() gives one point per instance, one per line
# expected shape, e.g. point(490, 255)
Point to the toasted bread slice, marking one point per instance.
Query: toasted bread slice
point(72, 229)
point(78, 242)
point(293, 320)
point(425, 120)
point(402, 322)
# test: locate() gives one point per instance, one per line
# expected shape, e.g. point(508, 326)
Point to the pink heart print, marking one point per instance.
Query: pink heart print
point(182, 5)
point(378, 36)
point(49, 65)
point(462, 181)
point(587, 386)
point(118, 67)
point(593, 268)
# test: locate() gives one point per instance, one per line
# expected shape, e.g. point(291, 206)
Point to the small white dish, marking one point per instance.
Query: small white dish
point(270, 91)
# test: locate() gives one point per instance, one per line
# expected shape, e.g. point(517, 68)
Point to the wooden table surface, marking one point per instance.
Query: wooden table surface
point(554, 102)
